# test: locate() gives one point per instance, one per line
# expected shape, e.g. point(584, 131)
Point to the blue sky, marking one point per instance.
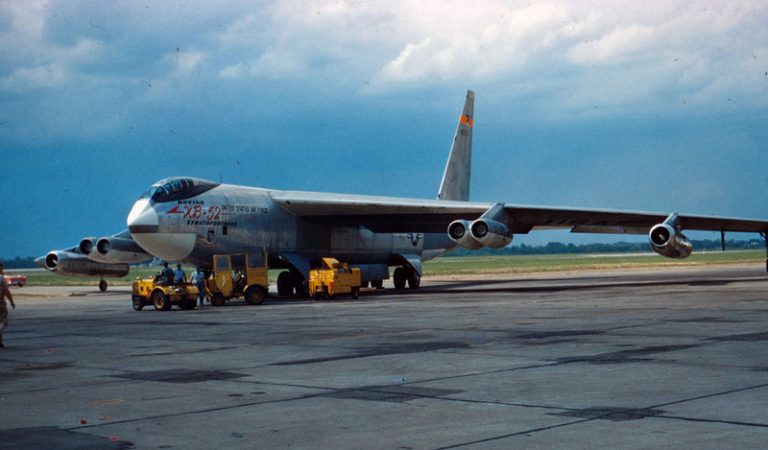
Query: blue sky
point(658, 105)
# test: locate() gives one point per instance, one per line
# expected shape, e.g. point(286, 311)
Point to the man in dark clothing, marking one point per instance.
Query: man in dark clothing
point(166, 275)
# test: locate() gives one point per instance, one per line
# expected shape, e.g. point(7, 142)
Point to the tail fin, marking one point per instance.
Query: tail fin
point(455, 184)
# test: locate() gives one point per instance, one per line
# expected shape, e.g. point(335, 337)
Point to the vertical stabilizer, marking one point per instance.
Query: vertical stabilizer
point(455, 184)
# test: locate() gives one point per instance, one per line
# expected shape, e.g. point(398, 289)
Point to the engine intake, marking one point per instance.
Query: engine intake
point(459, 233)
point(490, 233)
point(667, 241)
point(86, 245)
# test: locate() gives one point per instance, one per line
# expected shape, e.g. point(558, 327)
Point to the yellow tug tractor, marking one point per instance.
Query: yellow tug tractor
point(163, 296)
point(239, 276)
point(334, 278)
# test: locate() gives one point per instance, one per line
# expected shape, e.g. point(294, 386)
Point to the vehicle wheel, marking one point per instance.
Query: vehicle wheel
point(254, 295)
point(21, 284)
point(138, 304)
point(414, 279)
point(355, 293)
point(399, 278)
point(377, 284)
point(160, 301)
point(285, 284)
point(217, 300)
point(103, 286)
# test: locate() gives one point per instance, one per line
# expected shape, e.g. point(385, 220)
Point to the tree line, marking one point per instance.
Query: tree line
point(552, 248)
point(556, 248)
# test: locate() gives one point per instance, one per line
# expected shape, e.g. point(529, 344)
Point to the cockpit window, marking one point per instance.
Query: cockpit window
point(177, 188)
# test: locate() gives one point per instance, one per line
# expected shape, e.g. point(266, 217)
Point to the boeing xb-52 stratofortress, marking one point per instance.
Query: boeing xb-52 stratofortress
point(188, 220)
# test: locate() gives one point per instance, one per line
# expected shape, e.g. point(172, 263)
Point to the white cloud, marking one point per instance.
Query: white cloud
point(614, 47)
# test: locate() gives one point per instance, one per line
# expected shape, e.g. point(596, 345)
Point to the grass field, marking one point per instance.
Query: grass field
point(479, 265)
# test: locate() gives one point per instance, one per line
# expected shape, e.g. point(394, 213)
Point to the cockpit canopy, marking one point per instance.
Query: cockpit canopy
point(177, 188)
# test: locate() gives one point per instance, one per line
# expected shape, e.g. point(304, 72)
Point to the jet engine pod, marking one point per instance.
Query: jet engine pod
point(490, 233)
point(52, 260)
point(119, 250)
point(86, 245)
point(458, 232)
point(667, 241)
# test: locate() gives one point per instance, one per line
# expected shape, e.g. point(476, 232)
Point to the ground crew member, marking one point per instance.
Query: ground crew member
point(166, 275)
point(198, 277)
point(5, 292)
point(178, 275)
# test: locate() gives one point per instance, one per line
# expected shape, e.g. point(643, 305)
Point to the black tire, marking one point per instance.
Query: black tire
point(103, 286)
point(377, 284)
point(255, 295)
point(21, 284)
point(300, 287)
point(138, 304)
point(399, 277)
point(160, 301)
point(355, 292)
point(188, 304)
point(217, 300)
point(285, 284)
point(414, 279)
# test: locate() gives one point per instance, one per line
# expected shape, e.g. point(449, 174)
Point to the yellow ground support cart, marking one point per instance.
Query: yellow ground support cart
point(241, 275)
point(335, 278)
point(162, 296)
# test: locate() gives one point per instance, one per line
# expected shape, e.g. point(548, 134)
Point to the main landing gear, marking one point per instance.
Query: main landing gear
point(403, 275)
point(290, 283)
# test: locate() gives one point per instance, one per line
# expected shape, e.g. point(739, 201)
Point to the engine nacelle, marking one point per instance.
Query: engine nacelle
point(86, 245)
point(490, 233)
point(118, 250)
point(459, 233)
point(667, 241)
point(71, 263)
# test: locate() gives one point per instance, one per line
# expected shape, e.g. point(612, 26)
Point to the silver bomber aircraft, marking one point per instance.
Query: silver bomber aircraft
point(188, 220)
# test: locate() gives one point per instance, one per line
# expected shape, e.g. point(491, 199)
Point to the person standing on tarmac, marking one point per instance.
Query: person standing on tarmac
point(5, 292)
point(167, 275)
point(179, 276)
point(198, 278)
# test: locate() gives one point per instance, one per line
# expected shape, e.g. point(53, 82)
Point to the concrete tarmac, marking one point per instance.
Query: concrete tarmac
point(631, 359)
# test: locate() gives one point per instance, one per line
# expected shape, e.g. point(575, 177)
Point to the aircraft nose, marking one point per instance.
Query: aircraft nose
point(171, 243)
point(142, 218)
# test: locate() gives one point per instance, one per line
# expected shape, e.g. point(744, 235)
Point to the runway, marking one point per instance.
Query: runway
point(631, 359)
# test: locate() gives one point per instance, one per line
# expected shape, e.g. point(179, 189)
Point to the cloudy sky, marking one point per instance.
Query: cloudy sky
point(658, 105)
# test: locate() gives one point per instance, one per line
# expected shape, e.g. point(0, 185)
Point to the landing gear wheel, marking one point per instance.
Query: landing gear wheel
point(285, 284)
point(355, 293)
point(138, 304)
point(160, 301)
point(377, 284)
point(399, 277)
point(414, 279)
point(217, 300)
point(254, 295)
point(103, 286)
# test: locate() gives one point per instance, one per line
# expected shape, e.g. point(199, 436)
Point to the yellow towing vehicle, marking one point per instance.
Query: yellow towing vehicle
point(335, 278)
point(242, 275)
point(163, 296)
